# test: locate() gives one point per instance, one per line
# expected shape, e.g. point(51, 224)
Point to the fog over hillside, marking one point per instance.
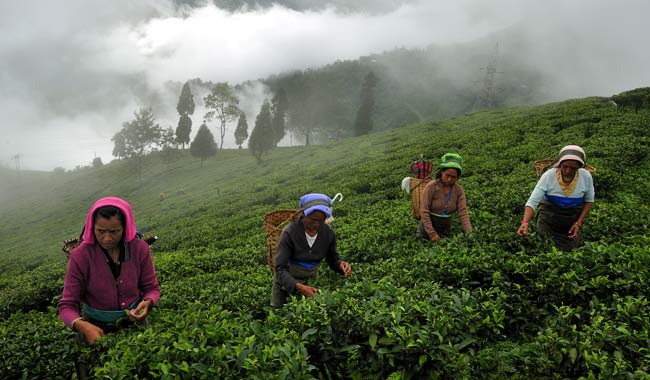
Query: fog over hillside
point(71, 75)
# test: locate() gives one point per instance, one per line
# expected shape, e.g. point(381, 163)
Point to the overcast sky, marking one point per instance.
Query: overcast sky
point(70, 76)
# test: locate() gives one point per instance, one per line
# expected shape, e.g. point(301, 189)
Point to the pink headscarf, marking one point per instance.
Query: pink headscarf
point(129, 230)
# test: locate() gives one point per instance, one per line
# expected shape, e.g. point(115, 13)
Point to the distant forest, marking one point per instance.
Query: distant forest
point(413, 85)
point(432, 83)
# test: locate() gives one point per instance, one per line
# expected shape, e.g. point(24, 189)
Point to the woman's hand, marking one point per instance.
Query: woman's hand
point(346, 268)
point(307, 290)
point(141, 311)
point(523, 229)
point(435, 237)
point(90, 331)
point(574, 231)
point(528, 215)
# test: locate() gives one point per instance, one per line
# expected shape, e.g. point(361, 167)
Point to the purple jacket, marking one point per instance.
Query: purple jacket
point(89, 279)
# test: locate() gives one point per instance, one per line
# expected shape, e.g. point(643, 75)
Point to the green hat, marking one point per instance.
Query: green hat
point(452, 160)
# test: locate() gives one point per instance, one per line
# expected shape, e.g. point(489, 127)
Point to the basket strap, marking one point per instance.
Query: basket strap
point(416, 186)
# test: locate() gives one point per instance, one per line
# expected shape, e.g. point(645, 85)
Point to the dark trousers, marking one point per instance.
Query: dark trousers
point(279, 294)
point(554, 222)
point(441, 225)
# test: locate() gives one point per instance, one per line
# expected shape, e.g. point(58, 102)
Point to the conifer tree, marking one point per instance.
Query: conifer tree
point(183, 130)
point(185, 107)
point(185, 104)
point(261, 140)
point(363, 122)
point(241, 133)
point(203, 145)
point(280, 106)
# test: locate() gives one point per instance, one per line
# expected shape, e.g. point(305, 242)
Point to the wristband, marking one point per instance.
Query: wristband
point(75, 321)
point(524, 223)
point(578, 224)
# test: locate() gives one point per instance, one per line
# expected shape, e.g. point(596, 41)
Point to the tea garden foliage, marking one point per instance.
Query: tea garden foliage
point(487, 305)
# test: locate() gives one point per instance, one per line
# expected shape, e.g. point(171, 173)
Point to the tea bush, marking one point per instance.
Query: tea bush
point(485, 305)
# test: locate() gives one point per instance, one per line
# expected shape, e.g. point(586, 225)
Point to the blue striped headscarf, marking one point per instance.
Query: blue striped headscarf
point(316, 202)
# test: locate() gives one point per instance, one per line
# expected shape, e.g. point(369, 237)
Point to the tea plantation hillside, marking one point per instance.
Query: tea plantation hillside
point(487, 305)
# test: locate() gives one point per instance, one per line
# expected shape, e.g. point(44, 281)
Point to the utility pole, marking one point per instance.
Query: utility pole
point(487, 96)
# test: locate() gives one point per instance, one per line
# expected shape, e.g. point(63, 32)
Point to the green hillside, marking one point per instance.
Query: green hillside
point(488, 305)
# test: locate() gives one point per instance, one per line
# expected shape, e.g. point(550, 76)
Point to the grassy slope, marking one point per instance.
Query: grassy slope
point(498, 147)
point(210, 222)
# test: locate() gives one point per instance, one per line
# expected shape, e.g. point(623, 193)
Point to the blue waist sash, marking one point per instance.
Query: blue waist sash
point(564, 201)
point(107, 316)
point(305, 264)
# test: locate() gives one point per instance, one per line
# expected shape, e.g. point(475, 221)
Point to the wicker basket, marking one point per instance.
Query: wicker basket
point(69, 245)
point(274, 222)
point(542, 165)
point(417, 186)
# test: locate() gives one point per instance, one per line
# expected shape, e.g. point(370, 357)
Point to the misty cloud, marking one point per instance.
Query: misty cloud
point(72, 74)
